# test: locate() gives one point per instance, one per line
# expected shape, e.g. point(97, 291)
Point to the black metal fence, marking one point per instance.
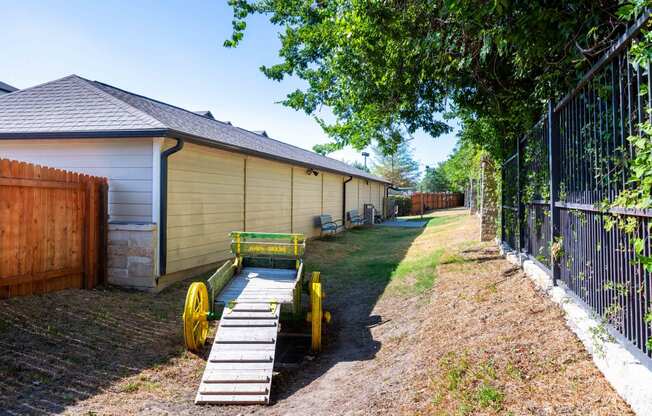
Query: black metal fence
point(556, 183)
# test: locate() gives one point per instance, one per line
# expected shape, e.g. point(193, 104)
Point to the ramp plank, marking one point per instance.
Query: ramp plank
point(242, 357)
point(240, 365)
point(230, 389)
point(225, 377)
point(249, 323)
point(235, 399)
point(248, 315)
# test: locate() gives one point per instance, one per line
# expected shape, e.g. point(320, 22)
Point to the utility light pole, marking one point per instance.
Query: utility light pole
point(365, 154)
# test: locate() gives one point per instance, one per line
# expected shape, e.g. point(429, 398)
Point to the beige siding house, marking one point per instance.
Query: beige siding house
point(179, 181)
point(205, 203)
point(332, 197)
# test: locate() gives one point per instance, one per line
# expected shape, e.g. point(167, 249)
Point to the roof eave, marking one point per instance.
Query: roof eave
point(89, 134)
point(101, 134)
point(212, 143)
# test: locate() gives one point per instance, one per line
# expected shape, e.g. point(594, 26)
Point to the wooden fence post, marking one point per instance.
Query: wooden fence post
point(91, 233)
point(421, 198)
point(554, 167)
point(104, 231)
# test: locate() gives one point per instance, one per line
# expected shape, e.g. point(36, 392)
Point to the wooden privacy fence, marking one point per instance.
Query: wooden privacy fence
point(563, 171)
point(52, 229)
point(426, 201)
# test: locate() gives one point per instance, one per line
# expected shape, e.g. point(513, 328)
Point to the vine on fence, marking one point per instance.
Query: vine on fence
point(535, 158)
point(598, 163)
point(637, 194)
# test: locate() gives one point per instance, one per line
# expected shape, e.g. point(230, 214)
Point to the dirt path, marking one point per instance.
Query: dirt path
point(366, 369)
point(426, 322)
point(481, 341)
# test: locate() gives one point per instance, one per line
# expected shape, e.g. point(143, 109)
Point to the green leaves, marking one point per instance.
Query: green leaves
point(399, 167)
point(641, 258)
point(638, 193)
point(241, 9)
point(631, 9)
point(324, 149)
point(386, 68)
point(454, 173)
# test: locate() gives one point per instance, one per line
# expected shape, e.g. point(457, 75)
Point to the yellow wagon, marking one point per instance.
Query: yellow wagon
point(247, 294)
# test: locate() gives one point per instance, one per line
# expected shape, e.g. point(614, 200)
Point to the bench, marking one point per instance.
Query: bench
point(354, 218)
point(328, 226)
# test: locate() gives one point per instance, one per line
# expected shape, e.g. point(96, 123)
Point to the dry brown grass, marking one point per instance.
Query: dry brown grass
point(506, 341)
point(103, 348)
point(425, 322)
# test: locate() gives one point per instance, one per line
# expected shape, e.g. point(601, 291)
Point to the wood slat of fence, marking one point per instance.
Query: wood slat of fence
point(435, 200)
point(52, 229)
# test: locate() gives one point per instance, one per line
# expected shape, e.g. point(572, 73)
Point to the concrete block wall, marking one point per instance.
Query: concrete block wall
point(132, 256)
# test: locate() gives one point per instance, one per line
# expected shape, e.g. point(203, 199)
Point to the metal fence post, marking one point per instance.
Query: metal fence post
point(519, 221)
point(554, 169)
point(502, 203)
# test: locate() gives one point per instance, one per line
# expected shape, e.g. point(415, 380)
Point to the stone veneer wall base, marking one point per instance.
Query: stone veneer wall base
point(488, 202)
point(132, 254)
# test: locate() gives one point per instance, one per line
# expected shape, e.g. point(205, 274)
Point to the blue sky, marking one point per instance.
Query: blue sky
point(171, 51)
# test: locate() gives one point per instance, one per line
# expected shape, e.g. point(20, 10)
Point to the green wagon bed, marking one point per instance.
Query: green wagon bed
point(260, 285)
point(247, 294)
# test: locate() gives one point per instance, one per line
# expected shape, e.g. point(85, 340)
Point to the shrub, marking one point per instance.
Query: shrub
point(404, 204)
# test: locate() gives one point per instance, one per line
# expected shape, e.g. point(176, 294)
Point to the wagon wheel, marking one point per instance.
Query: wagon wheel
point(195, 312)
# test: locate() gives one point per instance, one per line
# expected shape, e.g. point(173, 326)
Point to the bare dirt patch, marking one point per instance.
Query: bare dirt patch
point(425, 322)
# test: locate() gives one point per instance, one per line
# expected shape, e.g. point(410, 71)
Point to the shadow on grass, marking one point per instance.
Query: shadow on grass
point(356, 268)
point(64, 347)
point(61, 348)
point(431, 220)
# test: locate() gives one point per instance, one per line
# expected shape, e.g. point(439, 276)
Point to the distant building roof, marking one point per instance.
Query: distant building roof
point(74, 107)
point(6, 88)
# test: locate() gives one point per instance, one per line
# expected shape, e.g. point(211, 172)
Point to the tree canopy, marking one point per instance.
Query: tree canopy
point(398, 167)
point(435, 180)
point(358, 165)
point(385, 68)
point(454, 173)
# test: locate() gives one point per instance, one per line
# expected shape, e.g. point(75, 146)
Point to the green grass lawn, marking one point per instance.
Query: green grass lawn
point(379, 255)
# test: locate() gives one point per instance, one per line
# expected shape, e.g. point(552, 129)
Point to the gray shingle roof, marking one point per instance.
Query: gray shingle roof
point(76, 105)
point(6, 87)
point(70, 104)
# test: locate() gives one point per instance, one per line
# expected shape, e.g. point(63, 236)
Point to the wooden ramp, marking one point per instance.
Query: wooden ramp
point(240, 365)
point(258, 284)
